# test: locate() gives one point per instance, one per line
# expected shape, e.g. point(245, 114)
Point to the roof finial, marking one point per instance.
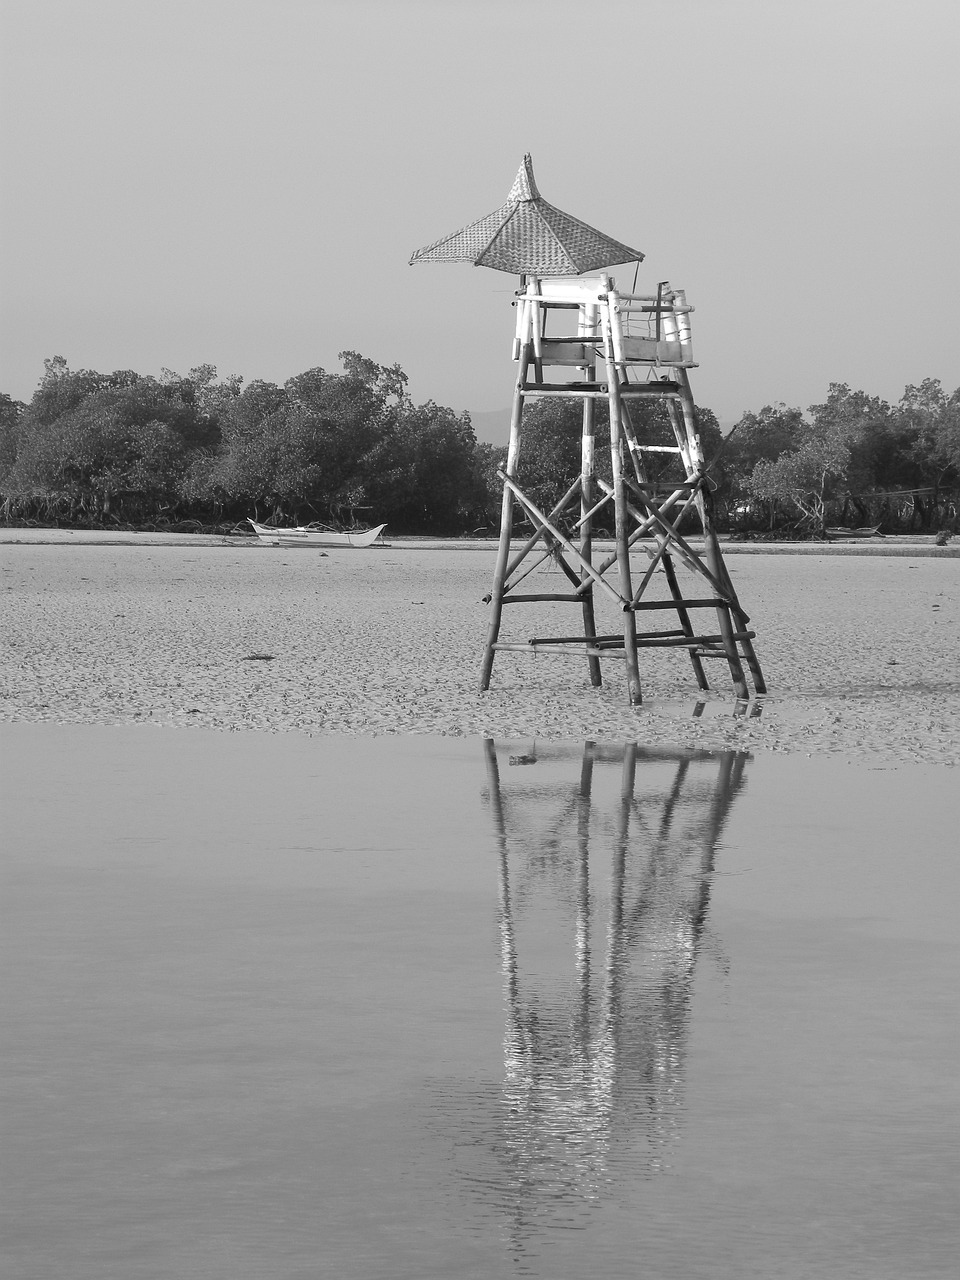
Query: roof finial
point(524, 185)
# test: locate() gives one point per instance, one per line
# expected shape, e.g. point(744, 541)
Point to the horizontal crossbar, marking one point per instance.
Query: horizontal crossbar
point(643, 390)
point(511, 598)
point(645, 640)
point(636, 606)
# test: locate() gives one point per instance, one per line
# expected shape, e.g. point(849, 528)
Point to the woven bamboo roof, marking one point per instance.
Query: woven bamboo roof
point(528, 236)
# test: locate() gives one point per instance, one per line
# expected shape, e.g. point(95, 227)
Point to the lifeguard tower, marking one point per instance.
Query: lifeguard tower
point(580, 338)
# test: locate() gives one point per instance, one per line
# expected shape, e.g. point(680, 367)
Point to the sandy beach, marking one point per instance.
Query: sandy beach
point(861, 652)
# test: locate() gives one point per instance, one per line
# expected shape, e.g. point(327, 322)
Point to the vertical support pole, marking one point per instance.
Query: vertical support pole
point(610, 318)
point(587, 494)
point(506, 523)
point(537, 314)
point(746, 644)
point(683, 323)
point(753, 662)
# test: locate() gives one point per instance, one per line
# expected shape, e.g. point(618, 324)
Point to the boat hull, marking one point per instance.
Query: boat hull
point(302, 537)
point(868, 531)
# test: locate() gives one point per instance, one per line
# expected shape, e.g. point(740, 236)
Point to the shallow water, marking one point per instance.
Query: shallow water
point(295, 1007)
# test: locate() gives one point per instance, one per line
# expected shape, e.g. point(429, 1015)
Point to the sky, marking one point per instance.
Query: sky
point(242, 183)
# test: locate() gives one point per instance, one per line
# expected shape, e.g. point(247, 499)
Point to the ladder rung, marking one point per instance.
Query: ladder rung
point(719, 653)
point(672, 639)
point(597, 640)
point(636, 606)
point(649, 639)
point(509, 598)
point(646, 640)
point(551, 647)
point(669, 642)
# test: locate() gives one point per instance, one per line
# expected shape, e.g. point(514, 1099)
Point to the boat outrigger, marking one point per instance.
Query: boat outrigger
point(312, 535)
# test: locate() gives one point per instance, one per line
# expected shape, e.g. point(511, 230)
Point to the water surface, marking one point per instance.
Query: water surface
point(386, 1007)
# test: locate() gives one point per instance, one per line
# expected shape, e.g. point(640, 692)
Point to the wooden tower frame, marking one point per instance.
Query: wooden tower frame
point(641, 347)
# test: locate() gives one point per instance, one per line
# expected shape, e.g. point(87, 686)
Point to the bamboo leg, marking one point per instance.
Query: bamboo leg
point(759, 684)
point(716, 566)
point(537, 334)
point(746, 644)
point(620, 511)
point(715, 562)
point(587, 451)
point(506, 526)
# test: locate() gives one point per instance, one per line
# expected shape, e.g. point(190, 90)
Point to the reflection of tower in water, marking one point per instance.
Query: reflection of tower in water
point(604, 889)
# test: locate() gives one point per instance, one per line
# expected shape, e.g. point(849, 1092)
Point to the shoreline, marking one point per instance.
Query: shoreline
point(893, 545)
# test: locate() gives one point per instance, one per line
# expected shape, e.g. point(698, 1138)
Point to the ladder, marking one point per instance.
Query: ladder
point(628, 350)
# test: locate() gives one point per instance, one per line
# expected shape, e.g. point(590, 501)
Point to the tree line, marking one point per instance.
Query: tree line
point(198, 451)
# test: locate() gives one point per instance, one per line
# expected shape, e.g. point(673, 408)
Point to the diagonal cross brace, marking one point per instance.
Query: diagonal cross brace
point(565, 542)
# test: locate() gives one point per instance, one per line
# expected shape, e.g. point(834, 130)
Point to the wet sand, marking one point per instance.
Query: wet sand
point(861, 652)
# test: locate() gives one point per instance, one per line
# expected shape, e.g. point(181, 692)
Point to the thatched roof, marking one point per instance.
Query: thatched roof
point(528, 236)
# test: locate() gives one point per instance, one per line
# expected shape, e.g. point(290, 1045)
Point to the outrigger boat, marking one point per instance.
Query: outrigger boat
point(866, 531)
point(312, 535)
